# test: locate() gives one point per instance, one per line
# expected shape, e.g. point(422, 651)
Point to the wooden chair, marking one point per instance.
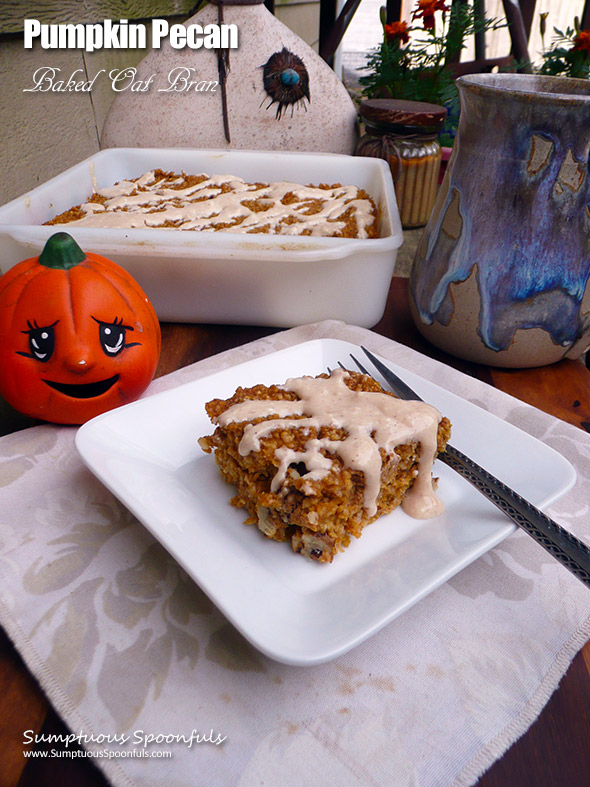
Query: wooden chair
point(332, 30)
point(518, 56)
point(528, 8)
point(332, 27)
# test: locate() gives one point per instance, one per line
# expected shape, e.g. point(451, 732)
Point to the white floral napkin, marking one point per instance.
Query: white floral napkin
point(126, 646)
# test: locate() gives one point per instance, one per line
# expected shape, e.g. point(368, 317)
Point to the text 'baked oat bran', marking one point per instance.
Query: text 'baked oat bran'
point(315, 460)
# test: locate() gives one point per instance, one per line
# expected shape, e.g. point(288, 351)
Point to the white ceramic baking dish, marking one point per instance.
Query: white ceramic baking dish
point(221, 277)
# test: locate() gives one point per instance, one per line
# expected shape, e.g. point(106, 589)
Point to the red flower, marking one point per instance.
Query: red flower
point(426, 9)
point(397, 31)
point(582, 41)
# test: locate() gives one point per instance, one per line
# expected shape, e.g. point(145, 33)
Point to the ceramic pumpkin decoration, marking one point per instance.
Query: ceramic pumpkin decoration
point(78, 336)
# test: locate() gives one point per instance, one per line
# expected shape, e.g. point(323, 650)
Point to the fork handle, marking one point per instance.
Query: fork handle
point(564, 546)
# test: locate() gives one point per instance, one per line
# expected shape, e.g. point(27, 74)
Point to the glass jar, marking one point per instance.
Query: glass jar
point(404, 133)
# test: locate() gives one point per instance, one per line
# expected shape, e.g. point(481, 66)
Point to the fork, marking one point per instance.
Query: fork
point(565, 547)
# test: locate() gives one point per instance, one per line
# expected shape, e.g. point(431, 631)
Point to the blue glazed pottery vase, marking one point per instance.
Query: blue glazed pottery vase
point(501, 272)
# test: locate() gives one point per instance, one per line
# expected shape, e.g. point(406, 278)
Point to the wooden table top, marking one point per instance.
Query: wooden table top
point(555, 750)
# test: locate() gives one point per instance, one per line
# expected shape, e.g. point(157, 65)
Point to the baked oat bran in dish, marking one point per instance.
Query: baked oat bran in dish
point(317, 459)
point(167, 200)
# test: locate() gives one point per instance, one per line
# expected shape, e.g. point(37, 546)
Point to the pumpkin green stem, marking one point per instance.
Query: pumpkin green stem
point(62, 252)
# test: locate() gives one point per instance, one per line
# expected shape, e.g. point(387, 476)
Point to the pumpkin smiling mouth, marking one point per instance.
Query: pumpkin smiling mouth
point(83, 390)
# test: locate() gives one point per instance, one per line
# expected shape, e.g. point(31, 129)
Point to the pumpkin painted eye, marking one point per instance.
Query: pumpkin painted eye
point(112, 336)
point(41, 341)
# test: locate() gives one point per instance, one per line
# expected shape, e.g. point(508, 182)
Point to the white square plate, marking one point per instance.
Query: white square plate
point(294, 610)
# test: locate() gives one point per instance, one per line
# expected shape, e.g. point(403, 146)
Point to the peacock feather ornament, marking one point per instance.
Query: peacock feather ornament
point(286, 81)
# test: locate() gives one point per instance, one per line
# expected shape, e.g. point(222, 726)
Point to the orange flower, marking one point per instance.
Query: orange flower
point(582, 41)
point(426, 9)
point(397, 31)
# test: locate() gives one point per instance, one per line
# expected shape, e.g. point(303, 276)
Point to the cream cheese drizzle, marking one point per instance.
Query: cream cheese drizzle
point(372, 420)
point(204, 206)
